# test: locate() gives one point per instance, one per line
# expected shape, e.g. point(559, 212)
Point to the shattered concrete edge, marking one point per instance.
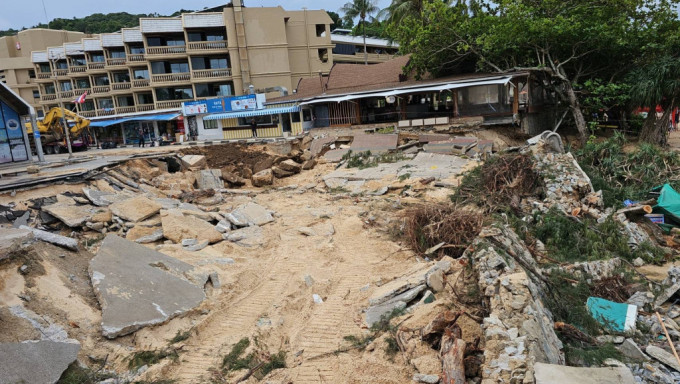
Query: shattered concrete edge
point(53, 238)
point(519, 329)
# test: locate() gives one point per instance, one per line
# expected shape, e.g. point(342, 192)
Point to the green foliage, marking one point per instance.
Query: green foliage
point(598, 94)
point(404, 176)
point(276, 361)
point(388, 129)
point(391, 347)
point(142, 358)
point(180, 336)
point(577, 355)
point(374, 28)
point(75, 374)
point(363, 160)
point(621, 175)
point(232, 360)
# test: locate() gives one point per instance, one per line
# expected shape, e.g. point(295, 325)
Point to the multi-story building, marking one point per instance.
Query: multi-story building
point(16, 69)
point(350, 49)
point(166, 61)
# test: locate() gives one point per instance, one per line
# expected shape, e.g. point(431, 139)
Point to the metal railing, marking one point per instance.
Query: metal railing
point(140, 83)
point(171, 77)
point(171, 104)
point(87, 113)
point(120, 86)
point(207, 45)
point(44, 75)
point(106, 112)
point(77, 68)
point(135, 57)
point(101, 89)
point(125, 109)
point(96, 65)
point(48, 97)
point(115, 61)
point(175, 49)
point(210, 73)
point(66, 95)
point(61, 72)
point(145, 107)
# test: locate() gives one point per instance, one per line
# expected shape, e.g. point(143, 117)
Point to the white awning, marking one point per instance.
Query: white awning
point(414, 89)
point(258, 112)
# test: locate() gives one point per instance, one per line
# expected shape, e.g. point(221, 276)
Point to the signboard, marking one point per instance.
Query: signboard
point(223, 104)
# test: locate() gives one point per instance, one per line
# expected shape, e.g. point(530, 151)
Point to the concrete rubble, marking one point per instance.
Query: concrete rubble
point(559, 374)
point(135, 209)
point(36, 361)
point(138, 287)
point(177, 226)
point(249, 214)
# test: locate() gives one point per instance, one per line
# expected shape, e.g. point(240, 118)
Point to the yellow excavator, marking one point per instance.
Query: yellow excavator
point(52, 131)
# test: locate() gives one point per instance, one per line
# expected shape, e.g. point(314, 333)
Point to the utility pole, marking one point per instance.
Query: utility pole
point(61, 106)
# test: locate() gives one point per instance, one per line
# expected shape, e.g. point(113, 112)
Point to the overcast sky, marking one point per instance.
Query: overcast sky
point(26, 13)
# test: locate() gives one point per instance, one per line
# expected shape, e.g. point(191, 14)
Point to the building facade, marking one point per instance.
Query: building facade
point(16, 69)
point(350, 49)
point(167, 61)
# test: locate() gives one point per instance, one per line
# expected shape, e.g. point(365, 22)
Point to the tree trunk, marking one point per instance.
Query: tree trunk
point(655, 131)
point(363, 23)
point(452, 354)
point(578, 115)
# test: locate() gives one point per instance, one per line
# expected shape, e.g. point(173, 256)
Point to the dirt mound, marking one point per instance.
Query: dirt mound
point(234, 158)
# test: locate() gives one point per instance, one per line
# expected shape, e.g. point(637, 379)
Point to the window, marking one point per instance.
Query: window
point(323, 55)
point(295, 117)
point(141, 74)
point(261, 120)
point(36, 94)
point(144, 98)
point(101, 80)
point(214, 36)
point(321, 30)
point(61, 64)
point(205, 36)
point(88, 105)
point(45, 68)
point(118, 54)
point(137, 50)
point(31, 73)
point(41, 113)
point(97, 57)
point(49, 89)
point(175, 42)
point(126, 101)
point(163, 94)
point(83, 83)
point(207, 90)
point(218, 63)
point(306, 115)
point(78, 61)
point(65, 86)
point(153, 41)
point(209, 124)
point(179, 67)
point(157, 67)
point(105, 103)
point(121, 77)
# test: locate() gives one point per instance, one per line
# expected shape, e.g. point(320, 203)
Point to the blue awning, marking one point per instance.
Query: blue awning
point(258, 112)
point(161, 117)
point(106, 123)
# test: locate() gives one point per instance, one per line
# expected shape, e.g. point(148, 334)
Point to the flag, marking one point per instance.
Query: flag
point(81, 98)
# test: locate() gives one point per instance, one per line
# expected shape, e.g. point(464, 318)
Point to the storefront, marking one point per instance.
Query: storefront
point(128, 130)
point(13, 138)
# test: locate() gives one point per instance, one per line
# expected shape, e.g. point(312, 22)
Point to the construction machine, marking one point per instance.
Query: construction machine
point(52, 131)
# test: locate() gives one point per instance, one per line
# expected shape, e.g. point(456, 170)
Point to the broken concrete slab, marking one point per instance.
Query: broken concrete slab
point(22, 220)
point(280, 173)
point(177, 226)
point(138, 287)
point(249, 214)
point(247, 237)
point(53, 238)
point(414, 278)
point(665, 357)
point(135, 209)
point(209, 179)
point(263, 178)
point(193, 162)
point(9, 236)
point(318, 144)
point(36, 362)
point(376, 143)
point(560, 374)
point(290, 166)
point(103, 199)
point(71, 215)
point(630, 349)
point(156, 235)
point(375, 313)
point(335, 155)
point(167, 203)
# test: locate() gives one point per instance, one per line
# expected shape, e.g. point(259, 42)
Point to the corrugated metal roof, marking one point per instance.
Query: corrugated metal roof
point(197, 20)
point(74, 48)
point(92, 44)
point(359, 40)
point(258, 112)
point(56, 53)
point(39, 57)
point(132, 35)
point(161, 25)
point(112, 40)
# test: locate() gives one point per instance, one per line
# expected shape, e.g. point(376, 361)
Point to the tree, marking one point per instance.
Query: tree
point(361, 9)
point(337, 20)
point(399, 9)
point(569, 41)
point(372, 27)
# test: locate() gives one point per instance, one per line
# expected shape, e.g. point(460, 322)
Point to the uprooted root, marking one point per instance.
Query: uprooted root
point(430, 225)
point(501, 181)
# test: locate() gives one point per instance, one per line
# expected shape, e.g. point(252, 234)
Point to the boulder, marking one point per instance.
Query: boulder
point(136, 209)
point(290, 166)
point(281, 173)
point(246, 237)
point(263, 165)
point(209, 179)
point(263, 178)
point(177, 226)
point(36, 362)
point(309, 164)
point(232, 179)
point(71, 215)
point(560, 374)
point(665, 357)
point(138, 287)
point(249, 214)
point(194, 162)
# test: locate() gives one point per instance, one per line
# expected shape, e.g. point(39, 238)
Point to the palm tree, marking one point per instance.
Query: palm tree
point(360, 8)
point(399, 9)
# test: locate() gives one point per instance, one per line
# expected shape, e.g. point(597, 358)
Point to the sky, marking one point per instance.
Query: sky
point(27, 13)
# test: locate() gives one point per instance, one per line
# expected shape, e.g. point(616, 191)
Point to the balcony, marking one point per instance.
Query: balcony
point(80, 91)
point(211, 73)
point(125, 110)
point(135, 57)
point(171, 104)
point(101, 89)
point(140, 83)
point(145, 107)
point(359, 57)
point(97, 65)
point(171, 77)
point(77, 68)
point(48, 97)
point(66, 95)
point(88, 113)
point(207, 45)
point(43, 75)
point(61, 72)
point(120, 86)
point(115, 62)
point(172, 50)
point(106, 112)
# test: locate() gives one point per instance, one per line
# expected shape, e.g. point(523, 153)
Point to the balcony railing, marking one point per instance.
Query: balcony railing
point(106, 112)
point(171, 77)
point(87, 113)
point(115, 61)
point(207, 45)
point(175, 49)
point(145, 107)
point(120, 86)
point(97, 65)
point(125, 109)
point(48, 97)
point(135, 57)
point(66, 95)
point(80, 91)
point(171, 104)
point(101, 89)
point(61, 72)
point(44, 75)
point(140, 83)
point(211, 73)
point(77, 68)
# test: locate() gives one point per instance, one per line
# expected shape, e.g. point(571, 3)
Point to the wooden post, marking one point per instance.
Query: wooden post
point(452, 352)
point(357, 111)
point(455, 103)
point(515, 98)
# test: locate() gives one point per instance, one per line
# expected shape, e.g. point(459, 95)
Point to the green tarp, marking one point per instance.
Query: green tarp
point(668, 203)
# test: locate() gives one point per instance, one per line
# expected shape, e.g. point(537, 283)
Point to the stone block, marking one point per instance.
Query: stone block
point(263, 178)
point(194, 162)
point(209, 179)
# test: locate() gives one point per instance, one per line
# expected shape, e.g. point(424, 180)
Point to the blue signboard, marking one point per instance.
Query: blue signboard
point(219, 105)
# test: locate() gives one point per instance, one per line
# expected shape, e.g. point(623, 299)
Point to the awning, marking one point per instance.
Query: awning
point(161, 117)
point(258, 112)
point(401, 91)
point(106, 123)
